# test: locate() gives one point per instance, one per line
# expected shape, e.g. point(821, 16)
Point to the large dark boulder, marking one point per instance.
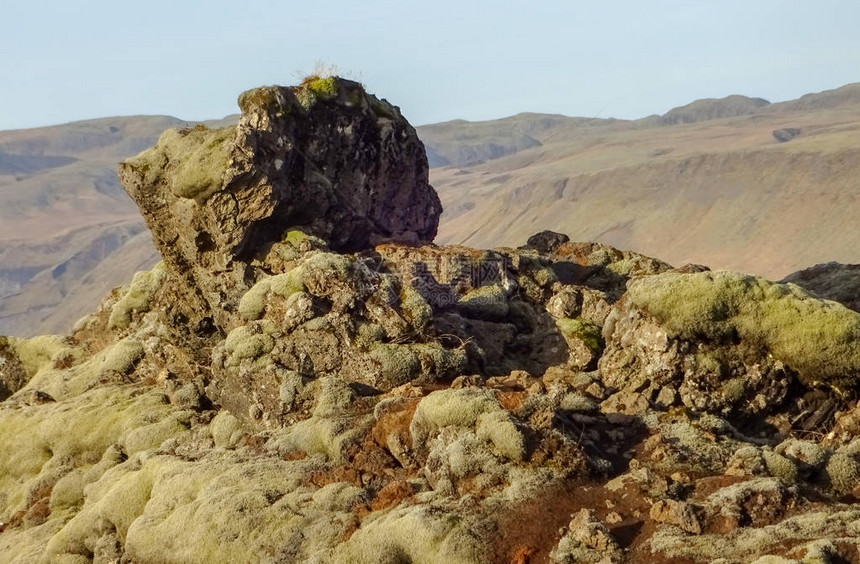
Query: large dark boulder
point(324, 157)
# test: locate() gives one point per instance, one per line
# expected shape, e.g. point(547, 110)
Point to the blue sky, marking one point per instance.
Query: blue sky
point(439, 60)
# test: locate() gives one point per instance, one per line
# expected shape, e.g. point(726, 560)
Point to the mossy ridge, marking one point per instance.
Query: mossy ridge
point(229, 507)
point(819, 339)
point(41, 352)
point(118, 359)
point(253, 303)
point(191, 162)
point(419, 534)
point(37, 443)
point(138, 297)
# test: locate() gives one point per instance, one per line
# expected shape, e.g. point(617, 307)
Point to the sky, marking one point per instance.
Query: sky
point(438, 60)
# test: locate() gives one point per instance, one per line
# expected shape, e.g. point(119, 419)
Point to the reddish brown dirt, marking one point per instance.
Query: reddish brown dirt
point(530, 532)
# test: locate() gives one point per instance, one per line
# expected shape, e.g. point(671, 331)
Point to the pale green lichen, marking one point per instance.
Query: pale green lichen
point(499, 428)
point(417, 534)
point(459, 407)
point(415, 308)
point(396, 364)
point(118, 359)
point(576, 402)
point(819, 339)
point(780, 466)
point(250, 341)
point(38, 438)
point(367, 335)
point(192, 162)
point(747, 543)
point(226, 430)
point(138, 297)
point(253, 303)
point(41, 352)
point(320, 436)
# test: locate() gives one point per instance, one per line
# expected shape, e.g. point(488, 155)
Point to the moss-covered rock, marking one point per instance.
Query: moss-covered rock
point(487, 302)
point(13, 374)
point(138, 296)
point(818, 339)
point(199, 158)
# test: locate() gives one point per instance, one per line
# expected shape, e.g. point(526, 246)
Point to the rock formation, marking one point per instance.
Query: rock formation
point(831, 281)
point(305, 378)
point(324, 157)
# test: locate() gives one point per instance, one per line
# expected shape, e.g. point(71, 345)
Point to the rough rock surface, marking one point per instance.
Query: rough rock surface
point(561, 402)
point(324, 156)
point(831, 281)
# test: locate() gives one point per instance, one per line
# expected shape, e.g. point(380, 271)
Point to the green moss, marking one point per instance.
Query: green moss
point(417, 534)
point(295, 237)
point(192, 162)
point(439, 363)
point(780, 466)
point(263, 97)
point(253, 303)
point(576, 402)
point(397, 364)
point(582, 330)
point(320, 436)
point(324, 87)
point(369, 335)
point(499, 429)
point(72, 433)
point(226, 508)
point(733, 390)
point(250, 341)
point(415, 308)
point(844, 473)
point(315, 88)
point(226, 430)
point(42, 352)
point(68, 492)
point(153, 436)
point(118, 359)
point(138, 297)
point(819, 339)
point(382, 108)
point(458, 407)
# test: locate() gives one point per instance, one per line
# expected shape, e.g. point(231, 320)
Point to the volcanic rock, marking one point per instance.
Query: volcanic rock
point(831, 281)
point(325, 158)
point(281, 390)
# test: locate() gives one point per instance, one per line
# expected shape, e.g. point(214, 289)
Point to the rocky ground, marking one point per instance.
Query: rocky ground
point(307, 378)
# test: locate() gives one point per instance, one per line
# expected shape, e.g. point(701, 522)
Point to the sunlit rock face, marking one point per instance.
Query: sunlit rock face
point(324, 157)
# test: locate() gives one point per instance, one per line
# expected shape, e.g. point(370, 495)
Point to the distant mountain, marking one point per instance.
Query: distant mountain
point(706, 182)
point(64, 217)
point(712, 108)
